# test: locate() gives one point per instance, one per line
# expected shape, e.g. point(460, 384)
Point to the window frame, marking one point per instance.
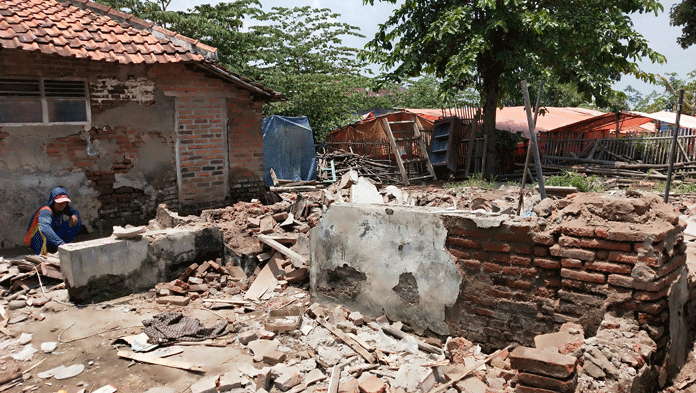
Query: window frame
point(43, 99)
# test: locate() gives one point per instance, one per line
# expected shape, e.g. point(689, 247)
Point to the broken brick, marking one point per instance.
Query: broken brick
point(174, 300)
point(542, 362)
point(372, 384)
point(274, 357)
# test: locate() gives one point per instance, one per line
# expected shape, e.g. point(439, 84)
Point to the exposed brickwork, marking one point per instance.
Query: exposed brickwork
point(201, 151)
point(214, 171)
point(518, 284)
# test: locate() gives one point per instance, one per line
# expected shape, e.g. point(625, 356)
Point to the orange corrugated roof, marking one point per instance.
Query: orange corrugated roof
point(514, 118)
point(85, 29)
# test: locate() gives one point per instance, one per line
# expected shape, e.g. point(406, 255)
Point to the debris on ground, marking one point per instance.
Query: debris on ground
point(258, 293)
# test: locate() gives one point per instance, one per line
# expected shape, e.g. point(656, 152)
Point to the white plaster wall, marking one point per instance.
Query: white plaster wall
point(384, 242)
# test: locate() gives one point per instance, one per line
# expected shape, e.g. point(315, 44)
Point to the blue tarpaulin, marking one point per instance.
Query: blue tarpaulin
point(288, 148)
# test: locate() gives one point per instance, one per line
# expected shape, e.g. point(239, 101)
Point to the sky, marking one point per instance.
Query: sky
point(656, 29)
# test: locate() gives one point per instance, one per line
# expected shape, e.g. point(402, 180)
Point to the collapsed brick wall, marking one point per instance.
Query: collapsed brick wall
point(528, 276)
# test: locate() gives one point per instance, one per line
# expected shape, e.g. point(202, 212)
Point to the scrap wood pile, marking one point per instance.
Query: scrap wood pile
point(379, 171)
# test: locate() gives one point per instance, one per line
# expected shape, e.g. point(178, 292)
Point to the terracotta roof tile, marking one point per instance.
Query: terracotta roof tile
point(88, 30)
point(84, 29)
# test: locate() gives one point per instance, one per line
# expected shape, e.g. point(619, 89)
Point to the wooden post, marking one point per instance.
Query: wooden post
point(674, 144)
point(529, 150)
point(395, 149)
point(532, 136)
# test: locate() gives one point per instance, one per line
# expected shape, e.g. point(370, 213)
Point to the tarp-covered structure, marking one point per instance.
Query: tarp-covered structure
point(288, 148)
point(368, 136)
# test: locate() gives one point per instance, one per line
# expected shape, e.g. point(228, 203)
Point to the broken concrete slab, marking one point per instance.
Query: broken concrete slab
point(230, 380)
point(112, 267)
point(205, 385)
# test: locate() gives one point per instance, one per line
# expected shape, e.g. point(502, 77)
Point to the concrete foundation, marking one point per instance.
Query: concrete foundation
point(106, 268)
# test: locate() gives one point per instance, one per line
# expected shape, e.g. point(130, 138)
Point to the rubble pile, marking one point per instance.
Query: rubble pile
point(22, 285)
point(258, 291)
point(618, 356)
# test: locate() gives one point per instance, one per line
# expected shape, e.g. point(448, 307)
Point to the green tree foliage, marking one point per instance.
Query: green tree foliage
point(668, 98)
point(684, 14)
point(493, 44)
point(302, 55)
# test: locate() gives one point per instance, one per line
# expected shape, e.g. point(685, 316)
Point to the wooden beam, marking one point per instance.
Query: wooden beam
point(421, 345)
point(471, 369)
point(144, 358)
point(296, 259)
point(348, 340)
point(395, 150)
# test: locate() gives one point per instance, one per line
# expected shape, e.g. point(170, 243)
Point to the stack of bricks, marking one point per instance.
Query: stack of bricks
point(526, 276)
point(542, 371)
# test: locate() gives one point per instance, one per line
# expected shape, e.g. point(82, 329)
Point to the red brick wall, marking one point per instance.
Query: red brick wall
point(201, 151)
point(246, 147)
point(519, 281)
point(244, 138)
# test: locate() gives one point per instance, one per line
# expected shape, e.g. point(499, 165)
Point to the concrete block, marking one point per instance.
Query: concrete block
point(230, 380)
point(174, 300)
point(288, 379)
point(247, 337)
point(274, 357)
point(84, 261)
point(260, 347)
point(314, 376)
point(263, 379)
point(205, 385)
point(471, 385)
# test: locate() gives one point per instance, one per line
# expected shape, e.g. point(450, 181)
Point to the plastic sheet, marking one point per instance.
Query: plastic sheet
point(288, 148)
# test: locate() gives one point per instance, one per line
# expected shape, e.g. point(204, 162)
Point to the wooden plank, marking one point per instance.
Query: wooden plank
point(423, 150)
point(296, 259)
point(294, 188)
point(263, 282)
point(144, 358)
point(471, 369)
point(421, 345)
point(274, 178)
point(395, 150)
point(333, 382)
point(348, 340)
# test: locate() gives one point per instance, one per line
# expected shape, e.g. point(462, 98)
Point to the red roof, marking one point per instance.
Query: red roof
point(85, 29)
point(555, 119)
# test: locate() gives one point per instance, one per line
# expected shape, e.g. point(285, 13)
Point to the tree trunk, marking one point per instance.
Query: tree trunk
point(491, 86)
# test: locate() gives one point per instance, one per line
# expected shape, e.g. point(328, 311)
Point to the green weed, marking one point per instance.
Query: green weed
point(581, 181)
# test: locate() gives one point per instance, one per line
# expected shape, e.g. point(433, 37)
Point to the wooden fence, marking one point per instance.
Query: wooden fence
point(646, 148)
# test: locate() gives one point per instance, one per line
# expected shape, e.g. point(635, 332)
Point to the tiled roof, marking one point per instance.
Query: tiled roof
point(85, 29)
point(88, 30)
